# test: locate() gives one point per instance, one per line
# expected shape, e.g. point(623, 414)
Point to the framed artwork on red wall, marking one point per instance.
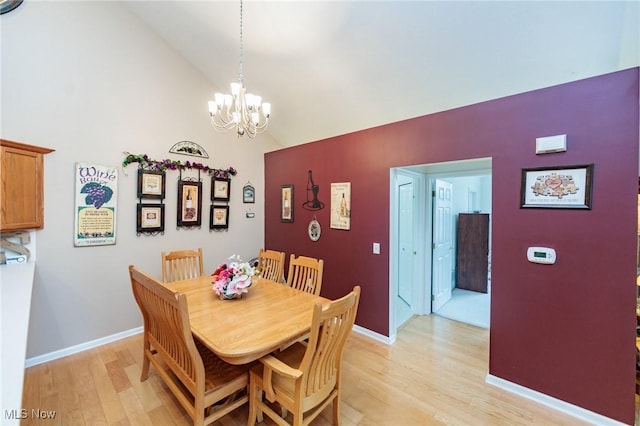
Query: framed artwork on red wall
point(341, 206)
point(286, 203)
point(561, 187)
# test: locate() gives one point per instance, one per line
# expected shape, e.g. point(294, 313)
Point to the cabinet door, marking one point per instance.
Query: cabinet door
point(22, 189)
point(473, 251)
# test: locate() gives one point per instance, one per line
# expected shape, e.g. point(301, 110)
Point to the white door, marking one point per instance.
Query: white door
point(405, 242)
point(442, 255)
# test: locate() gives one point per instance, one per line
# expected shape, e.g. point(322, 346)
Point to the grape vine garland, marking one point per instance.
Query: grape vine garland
point(162, 165)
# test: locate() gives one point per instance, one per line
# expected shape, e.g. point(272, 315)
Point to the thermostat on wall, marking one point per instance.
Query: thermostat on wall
point(544, 255)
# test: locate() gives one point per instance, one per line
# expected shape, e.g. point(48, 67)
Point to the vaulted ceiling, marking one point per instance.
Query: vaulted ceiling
point(333, 67)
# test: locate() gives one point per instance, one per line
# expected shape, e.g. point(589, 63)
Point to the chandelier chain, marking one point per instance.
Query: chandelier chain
point(241, 50)
point(240, 110)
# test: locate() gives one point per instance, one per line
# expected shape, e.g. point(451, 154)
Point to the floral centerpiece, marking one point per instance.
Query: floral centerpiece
point(232, 279)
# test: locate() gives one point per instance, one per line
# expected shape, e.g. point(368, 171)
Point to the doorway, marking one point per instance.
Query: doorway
point(423, 258)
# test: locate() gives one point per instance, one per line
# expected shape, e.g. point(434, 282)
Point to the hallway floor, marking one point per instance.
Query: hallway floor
point(467, 306)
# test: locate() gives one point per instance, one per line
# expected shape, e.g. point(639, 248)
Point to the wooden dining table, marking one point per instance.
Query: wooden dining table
point(271, 315)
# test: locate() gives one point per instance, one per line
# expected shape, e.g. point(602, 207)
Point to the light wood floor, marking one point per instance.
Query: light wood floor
point(433, 375)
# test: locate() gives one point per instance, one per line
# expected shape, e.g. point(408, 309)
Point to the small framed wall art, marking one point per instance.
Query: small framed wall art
point(219, 217)
point(248, 194)
point(314, 229)
point(150, 218)
point(151, 184)
point(189, 203)
point(220, 189)
point(286, 203)
point(561, 187)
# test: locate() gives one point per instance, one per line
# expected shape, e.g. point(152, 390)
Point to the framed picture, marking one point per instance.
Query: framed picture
point(562, 187)
point(341, 206)
point(248, 194)
point(219, 217)
point(151, 184)
point(286, 203)
point(150, 218)
point(96, 204)
point(189, 203)
point(220, 189)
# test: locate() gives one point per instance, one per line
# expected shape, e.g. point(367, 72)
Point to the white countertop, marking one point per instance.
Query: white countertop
point(16, 284)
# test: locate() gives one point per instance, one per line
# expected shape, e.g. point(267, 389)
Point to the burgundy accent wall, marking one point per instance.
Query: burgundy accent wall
point(566, 330)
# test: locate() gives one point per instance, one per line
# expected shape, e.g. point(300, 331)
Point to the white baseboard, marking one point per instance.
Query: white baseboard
point(556, 404)
point(112, 338)
point(81, 347)
point(375, 336)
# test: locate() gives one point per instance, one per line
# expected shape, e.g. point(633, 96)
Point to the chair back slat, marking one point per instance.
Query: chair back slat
point(167, 326)
point(329, 332)
point(182, 265)
point(305, 378)
point(305, 273)
point(271, 265)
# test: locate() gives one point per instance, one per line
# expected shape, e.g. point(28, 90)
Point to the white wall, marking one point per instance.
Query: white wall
point(481, 184)
point(485, 194)
point(90, 81)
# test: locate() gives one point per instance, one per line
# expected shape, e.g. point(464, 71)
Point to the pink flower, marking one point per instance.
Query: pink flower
point(233, 278)
point(243, 282)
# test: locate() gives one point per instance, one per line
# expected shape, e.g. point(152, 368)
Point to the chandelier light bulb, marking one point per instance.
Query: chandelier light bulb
point(235, 89)
point(249, 99)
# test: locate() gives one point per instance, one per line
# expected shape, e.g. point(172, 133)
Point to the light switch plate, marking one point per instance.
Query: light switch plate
point(376, 248)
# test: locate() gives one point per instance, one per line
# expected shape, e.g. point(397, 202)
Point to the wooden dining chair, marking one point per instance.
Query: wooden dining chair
point(304, 379)
point(197, 377)
point(305, 273)
point(182, 265)
point(271, 265)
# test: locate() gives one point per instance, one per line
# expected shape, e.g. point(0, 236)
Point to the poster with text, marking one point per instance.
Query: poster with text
point(95, 205)
point(341, 205)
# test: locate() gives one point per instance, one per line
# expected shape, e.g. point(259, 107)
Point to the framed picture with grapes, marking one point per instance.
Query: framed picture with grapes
point(95, 204)
point(189, 203)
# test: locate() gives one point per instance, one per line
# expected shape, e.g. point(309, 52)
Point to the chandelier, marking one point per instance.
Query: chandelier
point(240, 110)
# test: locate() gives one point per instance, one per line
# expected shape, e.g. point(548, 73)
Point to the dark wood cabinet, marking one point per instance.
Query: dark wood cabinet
point(473, 251)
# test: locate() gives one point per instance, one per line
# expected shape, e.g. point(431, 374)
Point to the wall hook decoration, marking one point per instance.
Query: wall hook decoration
point(189, 148)
point(312, 202)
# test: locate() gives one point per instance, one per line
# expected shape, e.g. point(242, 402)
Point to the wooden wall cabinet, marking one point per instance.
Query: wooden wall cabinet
point(22, 190)
point(473, 252)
